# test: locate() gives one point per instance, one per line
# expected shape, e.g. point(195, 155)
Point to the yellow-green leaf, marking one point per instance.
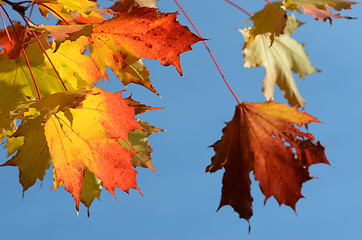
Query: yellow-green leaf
point(139, 142)
point(284, 56)
point(271, 19)
point(32, 157)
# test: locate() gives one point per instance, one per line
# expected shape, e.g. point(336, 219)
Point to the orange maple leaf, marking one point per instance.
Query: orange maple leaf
point(86, 139)
point(142, 33)
point(262, 138)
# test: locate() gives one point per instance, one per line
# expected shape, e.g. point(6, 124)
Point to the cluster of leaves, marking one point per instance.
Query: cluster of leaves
point(92, 138)
point(265, 138)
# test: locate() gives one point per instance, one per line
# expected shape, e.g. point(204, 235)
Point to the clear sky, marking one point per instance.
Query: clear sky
point(180, 200)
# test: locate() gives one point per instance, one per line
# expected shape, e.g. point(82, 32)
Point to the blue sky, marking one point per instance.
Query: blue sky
point(180, 200)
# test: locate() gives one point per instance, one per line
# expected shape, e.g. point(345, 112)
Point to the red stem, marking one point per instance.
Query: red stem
point(47, 8)
point(267, 1)
point(7, 33)
point(238, 7)
point(208, 49)
point(23, 51)
point(46, 54)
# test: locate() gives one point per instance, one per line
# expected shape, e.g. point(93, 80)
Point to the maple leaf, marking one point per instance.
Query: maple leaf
point(142, 33)
point(88, 136)
point(32, 157)
point(271, 19)
point(262, 138)
point(284, 56)
point(318, 8)
point(78, 132)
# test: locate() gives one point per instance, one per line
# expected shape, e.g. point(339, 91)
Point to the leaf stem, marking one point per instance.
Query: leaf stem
point(22, 50)
point(238, 7)
point(52, 10)
point(7, 33)
point(46, 54)
point(208, 49)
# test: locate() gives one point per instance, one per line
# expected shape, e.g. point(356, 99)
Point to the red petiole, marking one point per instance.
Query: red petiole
point(22, 49)
point(208, 49)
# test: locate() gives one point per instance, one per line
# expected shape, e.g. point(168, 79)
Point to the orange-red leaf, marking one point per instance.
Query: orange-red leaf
point(142, 33)
point(263, 138)
point(86, 139)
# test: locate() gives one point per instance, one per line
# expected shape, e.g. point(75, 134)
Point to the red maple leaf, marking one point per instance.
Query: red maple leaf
point(262, 138)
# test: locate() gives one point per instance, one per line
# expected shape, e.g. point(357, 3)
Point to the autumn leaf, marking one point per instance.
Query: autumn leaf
point(32, 157)
point(318, 8)
point(284, 56)
point(77, 131)
point(263, 138)
point(271, 19)
point(142, 33)
point(88, 136)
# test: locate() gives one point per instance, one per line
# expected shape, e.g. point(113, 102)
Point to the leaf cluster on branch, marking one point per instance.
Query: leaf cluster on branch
point(51, 113)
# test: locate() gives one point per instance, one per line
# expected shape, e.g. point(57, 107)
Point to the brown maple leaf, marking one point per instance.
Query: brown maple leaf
point(262, 137)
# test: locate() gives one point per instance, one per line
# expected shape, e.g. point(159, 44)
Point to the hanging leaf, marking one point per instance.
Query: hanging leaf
point(284, 56)
point(263, 138)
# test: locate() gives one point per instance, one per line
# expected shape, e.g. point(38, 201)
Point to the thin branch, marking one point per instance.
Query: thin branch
point(238, 7)
point(7, 33)
point(49, 8)
point(46, 54)
point(208, 49)
point(23, 51)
